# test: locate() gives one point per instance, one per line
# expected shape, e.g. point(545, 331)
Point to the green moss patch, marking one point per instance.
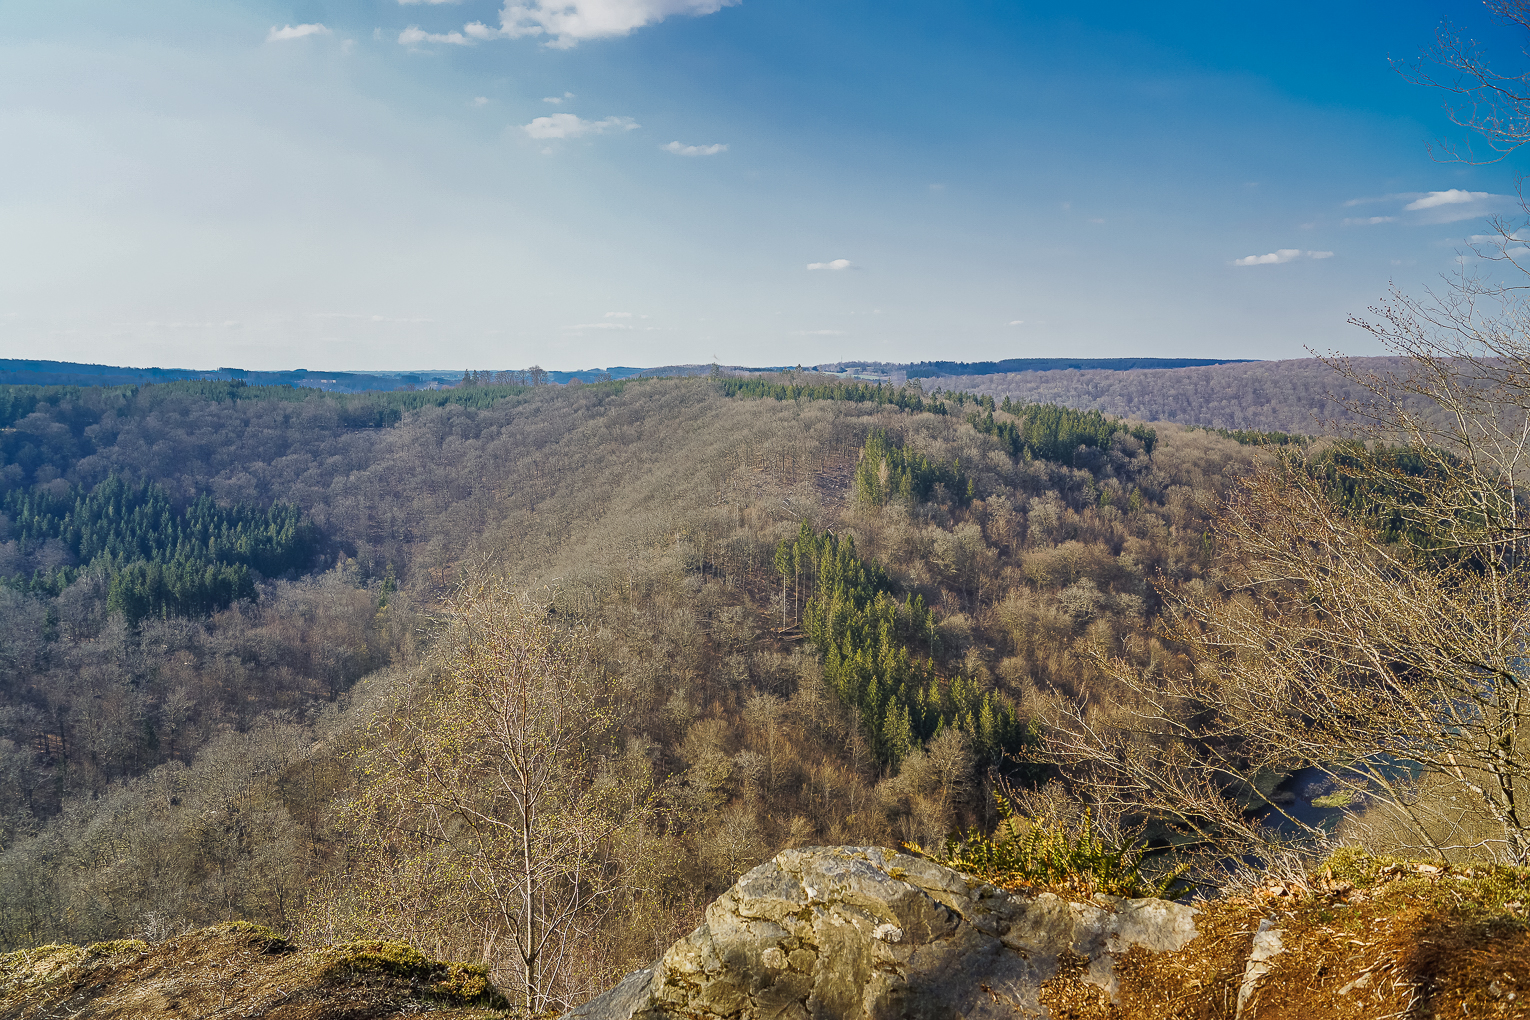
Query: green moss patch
point(455, 984)
point(116, 947)
point(255, 935)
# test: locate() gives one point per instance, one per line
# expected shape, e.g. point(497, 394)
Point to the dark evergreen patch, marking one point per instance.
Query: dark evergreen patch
point(860, 393)
point(870, 642)
point(890, 471)
point(159, 561)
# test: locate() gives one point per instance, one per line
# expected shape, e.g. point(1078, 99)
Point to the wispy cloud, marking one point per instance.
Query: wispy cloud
point(609, 325)
point(1281, 255)
point(480, 101)
point(406, 3)
point(368, 318)
point(294, 32)
point(1517, 235)
point(557, 100)
point(818, 332)
point(1431, 207)
point(1016, 322)
point(1367, 221)
point(568, 125)
point(618, 315)
point(414, 35)
point(563, 24)
point(693, 150)
point(835, 265)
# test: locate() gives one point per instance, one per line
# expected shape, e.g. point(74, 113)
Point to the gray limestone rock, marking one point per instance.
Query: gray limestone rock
point(844, 933)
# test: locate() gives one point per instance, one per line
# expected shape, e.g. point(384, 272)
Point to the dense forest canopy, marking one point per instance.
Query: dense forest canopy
point(810, 614)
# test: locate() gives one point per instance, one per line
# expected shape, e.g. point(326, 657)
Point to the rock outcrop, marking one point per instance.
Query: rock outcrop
point(853, 932)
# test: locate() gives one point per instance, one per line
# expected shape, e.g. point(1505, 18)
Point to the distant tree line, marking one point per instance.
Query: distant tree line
point(1047, 431)
point(860, 393)
point(536, 375)
point(1258, 437)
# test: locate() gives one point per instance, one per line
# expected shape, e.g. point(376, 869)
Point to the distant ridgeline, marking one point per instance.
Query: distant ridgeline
point(930, 369)
point(68, 373)
point(17, 372)
point(158, 562)
point(868, 638)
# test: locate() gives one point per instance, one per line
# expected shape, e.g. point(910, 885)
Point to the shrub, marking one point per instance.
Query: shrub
point(1025, 852)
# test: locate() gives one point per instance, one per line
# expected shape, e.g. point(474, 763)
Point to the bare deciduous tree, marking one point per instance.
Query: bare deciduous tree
point(493, 802)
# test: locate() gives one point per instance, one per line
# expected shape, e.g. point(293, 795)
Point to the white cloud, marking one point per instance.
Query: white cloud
point(294, 32)
point(414, 35)
point(565, 23)
point(1281, 255)
point(1367, 221)
point(568, 125)
point(1455, 196)
point(693, 150)
point(819, 332)
point(432, 2)
point(1017, 322)
point(618, 315)
point(602, 325)
point(557, 100)
point(480, 100)
point(836, 264)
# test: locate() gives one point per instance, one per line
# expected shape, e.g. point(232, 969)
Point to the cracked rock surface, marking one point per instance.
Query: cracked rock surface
point(850, 932)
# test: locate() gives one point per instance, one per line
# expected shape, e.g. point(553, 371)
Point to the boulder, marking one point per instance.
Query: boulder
point(852, 932)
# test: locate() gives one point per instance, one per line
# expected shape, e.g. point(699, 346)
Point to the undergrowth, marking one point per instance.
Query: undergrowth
point(1026, 852)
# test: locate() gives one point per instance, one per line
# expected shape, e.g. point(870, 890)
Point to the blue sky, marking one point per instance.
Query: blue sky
point(577, 183)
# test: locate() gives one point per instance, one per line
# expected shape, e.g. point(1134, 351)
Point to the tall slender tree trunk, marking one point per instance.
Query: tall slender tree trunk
point(529, 953)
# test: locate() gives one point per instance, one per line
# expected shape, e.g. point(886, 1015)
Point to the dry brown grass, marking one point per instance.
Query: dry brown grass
point(236, 970)
point(1368, 939)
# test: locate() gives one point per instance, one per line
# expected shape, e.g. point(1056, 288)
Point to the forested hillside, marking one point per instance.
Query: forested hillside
point(802, 618)
point(1283, 396)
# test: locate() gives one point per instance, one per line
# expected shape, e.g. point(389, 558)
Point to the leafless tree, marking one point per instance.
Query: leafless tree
point(492, 790)
point(1489, 103)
